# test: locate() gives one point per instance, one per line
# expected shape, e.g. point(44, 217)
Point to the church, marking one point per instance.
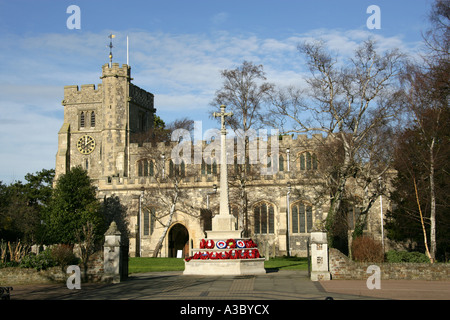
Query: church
point(277, 209)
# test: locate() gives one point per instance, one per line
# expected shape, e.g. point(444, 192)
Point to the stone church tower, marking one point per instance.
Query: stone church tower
point(98, 123)
point(279, 211)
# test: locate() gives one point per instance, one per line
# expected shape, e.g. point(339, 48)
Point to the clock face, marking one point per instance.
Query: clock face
point(86, 144)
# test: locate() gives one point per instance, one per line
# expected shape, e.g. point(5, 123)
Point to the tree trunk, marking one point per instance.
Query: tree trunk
point(423, 224)
point(334, 208)
point(337, 198)
point(433, 204)
point(166, 227)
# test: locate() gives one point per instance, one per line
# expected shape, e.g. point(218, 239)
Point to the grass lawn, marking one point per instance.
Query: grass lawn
point(286, 263)
point(138, 265)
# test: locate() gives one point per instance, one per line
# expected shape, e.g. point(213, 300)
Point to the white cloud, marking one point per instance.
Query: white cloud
point(219, 18)
point(182, 70)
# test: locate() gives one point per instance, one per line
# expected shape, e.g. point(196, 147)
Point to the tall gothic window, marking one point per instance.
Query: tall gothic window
point(354, 215)
point(263, 218)
point(210, 167)
point(149, 221)
point(92, 119)
point(145, 168)
point(177, 170)
point(142, 121)
point(308, 161)
point(301, 218)
point(82, 119)
point(281, 163)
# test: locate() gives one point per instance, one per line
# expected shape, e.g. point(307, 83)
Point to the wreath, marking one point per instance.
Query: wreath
point(231, 244)
point(250, 244)
point(196, 256)
point(224, 255)
point(204, 256)
point(209, 244)
point(214, 255)
point(221, 244)
point(234, 254)
point(253, 254)
point(240, 244)
point(243, 254)
point(202, 244)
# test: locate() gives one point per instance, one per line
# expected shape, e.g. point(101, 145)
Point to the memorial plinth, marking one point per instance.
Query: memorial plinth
point(225, 267)
point(219, 258)
point(224, 252)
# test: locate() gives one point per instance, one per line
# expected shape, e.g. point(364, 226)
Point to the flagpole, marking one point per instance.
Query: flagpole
point(128, 62)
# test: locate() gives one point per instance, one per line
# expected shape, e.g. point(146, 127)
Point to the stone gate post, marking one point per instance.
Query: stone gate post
point(112, 257)
point(319, 256)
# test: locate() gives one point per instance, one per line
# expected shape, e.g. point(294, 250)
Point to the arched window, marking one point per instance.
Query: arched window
point(145, 168)
point(182, 169)
point(308, 161)
point(354, 217)
point(241, 168)
point(149, 220)
point(281, 163)
point(82, 119)
point(301, 217)
point(177, 170)
point(171, 169)
point(263, 218)
point(209, 167)
point(92, 119)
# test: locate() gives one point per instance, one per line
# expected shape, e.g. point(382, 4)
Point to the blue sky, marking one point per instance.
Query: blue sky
point(177, 50)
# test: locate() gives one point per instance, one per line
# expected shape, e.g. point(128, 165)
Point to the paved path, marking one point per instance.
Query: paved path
point(282, 285)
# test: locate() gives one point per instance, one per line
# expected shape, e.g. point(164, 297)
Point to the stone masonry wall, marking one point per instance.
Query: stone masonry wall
point(342, 268)
point(26, 276)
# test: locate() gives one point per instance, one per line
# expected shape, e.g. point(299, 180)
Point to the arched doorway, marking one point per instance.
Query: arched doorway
point(178, 240)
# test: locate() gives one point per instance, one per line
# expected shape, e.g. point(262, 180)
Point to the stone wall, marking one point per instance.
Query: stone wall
point(26, 276)
point(342, 268)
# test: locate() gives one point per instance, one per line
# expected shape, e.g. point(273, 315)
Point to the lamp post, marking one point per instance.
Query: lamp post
point(381, 214)
point(288, 152)
point(288, 211)
point(141, 199)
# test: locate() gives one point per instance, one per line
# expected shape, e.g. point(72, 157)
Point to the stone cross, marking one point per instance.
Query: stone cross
point(224, 201)
point(222, 114)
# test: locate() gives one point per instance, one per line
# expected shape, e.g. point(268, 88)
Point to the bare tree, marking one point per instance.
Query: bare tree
point(426, 96)
point(245, 92)
point(86, 238)
point(351, 103)
point(169, 168)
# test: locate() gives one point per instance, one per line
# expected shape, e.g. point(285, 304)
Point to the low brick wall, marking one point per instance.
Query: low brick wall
point(341, 267)
point(23, 276)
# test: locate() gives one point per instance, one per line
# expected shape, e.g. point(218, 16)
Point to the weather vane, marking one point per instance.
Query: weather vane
point(111, 36)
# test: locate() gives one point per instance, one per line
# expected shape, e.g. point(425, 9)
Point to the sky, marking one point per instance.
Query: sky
point(177, 49)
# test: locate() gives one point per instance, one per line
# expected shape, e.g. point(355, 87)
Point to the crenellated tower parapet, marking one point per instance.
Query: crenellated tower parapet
point(116, 71)
point(98, 123)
